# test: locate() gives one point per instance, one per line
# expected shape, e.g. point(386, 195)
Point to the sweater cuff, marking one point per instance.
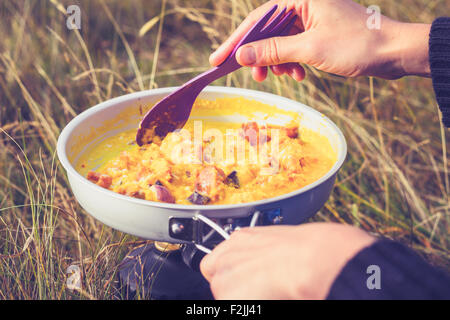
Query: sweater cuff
point(389, 270)
point(439, 52)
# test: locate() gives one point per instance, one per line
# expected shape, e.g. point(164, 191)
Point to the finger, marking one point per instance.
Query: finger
point(278, 70)
point(237, 281)
point(259, 73)
point(283, 68)
point(296, 71)
point(299, 48)
point(224, 50)
point(208, 264)
point(207, 267)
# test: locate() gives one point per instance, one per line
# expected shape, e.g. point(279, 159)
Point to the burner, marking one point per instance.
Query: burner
point(164, 271)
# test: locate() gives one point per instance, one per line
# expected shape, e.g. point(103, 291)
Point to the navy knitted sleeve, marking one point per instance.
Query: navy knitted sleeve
point(389, 270)
point(439, 52)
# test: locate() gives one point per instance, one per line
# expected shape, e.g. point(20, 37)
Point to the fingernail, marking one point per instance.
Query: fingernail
point(248, 55)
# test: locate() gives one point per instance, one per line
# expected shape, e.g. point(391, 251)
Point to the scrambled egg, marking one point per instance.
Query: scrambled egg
point(214, 162)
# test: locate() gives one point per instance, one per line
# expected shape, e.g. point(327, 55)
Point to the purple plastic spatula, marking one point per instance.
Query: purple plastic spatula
point(173, 111)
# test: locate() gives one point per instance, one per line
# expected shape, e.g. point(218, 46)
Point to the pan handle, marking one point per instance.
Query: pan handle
point(214, 226)
point(203, 231)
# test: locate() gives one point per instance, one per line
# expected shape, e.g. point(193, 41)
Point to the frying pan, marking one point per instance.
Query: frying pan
point(176, 223)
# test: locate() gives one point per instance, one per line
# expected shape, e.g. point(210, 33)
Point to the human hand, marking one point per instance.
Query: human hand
point(282, 262)
point(332, 36)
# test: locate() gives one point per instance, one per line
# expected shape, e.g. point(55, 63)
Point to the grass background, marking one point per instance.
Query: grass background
point(394, 183)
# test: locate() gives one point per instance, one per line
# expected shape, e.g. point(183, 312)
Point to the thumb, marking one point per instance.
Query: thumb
point(276, 50)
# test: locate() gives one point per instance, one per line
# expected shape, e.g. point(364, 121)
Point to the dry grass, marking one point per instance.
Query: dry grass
point(395, 181)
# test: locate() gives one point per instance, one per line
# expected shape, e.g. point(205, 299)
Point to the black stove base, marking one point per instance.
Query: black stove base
point(150, 273)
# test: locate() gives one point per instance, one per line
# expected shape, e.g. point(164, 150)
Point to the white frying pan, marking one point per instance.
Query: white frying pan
point(180, 223)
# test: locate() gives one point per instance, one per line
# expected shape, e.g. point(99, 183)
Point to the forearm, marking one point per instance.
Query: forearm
point(402, 51)
point(414, 56)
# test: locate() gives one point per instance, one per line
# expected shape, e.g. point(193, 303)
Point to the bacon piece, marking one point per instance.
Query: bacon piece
point(252, 133)
point(250, 126)
point(137, 194)
point(209, 179)
point(104, 181)
point(93, 176)
point(292, 132)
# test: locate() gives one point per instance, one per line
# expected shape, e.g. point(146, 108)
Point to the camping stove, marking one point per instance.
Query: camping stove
point(165, 271)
